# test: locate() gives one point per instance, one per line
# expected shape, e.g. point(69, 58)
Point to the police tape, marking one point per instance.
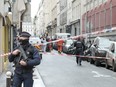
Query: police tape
point(71, 55)
point(62, 54)
point(82, 35)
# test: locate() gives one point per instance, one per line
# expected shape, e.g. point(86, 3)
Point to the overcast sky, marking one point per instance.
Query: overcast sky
point(34, 7)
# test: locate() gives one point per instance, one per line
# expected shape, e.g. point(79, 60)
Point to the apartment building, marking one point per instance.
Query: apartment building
point(63, 15)
point(38, 22)
point(69, 16)
point(58, 16)
point(28, 26)
point(54, 16)
point(99, 16)
point(76, 17)
point(5, 22)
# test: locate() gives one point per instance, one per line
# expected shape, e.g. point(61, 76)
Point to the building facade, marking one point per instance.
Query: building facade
point(48, 16)
point(38, 21)
point(63, 16)
point(5, 39)
point(76, 17)
point(54, 16)
point(28, 26)
point(99, 16)
point(58, 16)
point(69, 16)
point(1, 37)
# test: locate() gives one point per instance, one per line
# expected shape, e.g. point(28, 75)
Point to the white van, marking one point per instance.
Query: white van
point(34, 40)
point(62, 35)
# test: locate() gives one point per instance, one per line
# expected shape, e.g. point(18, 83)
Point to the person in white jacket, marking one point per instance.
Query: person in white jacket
point(43, 40)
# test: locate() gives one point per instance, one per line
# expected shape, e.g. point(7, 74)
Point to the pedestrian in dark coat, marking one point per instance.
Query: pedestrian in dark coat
point(23, 72)
point(79, 50)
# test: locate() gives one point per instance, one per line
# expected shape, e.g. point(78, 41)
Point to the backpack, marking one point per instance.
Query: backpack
point(79, 44)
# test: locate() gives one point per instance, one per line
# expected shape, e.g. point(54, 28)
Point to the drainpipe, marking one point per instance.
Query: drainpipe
point(21, 18)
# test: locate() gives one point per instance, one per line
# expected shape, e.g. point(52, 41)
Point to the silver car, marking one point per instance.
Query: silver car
point(66, 45)
point(99, 49)
point(111, 57)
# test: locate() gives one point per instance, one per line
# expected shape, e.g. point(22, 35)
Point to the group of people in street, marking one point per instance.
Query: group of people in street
point(24, 67)
point(79, 44)
point(47, 45)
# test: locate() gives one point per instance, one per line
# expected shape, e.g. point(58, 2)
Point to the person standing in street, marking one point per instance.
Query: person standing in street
point(43, 40)
point(60, 44)
point(23, 72)
point(79, 50)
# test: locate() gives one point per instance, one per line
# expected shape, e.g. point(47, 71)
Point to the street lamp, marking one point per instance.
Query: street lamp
point(9, 8)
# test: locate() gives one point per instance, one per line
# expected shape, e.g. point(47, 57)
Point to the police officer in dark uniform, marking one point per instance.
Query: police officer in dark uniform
point(23, 72)
point(79, 50)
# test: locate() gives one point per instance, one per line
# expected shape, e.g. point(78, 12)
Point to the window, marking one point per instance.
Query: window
point(103, 1)
point(91, 4)
point(96, 3)
point(13, 0)
point(100, 2)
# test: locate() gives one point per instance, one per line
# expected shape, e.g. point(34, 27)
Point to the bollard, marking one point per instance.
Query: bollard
point(8, 79)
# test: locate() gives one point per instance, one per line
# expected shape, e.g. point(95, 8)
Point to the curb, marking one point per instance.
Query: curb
point(37, 79)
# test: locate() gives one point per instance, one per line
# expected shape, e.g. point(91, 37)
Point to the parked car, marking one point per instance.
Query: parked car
point(66, 45)
point(99, 48)
point(111, 57)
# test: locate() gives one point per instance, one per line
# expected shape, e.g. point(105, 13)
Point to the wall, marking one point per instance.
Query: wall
point(1, 31)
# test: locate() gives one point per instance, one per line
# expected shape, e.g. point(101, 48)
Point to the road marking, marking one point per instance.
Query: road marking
point(114, 78)
point(99, 75)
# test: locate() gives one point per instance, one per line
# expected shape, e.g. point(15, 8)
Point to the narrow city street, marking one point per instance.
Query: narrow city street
point(62, 71)
point(30, 29)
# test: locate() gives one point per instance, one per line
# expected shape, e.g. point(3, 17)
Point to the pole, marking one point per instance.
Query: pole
point(21, 19)
point(8, 79)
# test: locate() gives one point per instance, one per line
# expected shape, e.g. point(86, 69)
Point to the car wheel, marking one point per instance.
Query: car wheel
point(97, 63)
point(114, 66)
point(87, 59)
point(91, 61)
point(106, 65)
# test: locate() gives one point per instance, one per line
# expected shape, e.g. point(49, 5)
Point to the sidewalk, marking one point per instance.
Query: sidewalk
point(3, 79)
point(37, 79)
point(36, 76)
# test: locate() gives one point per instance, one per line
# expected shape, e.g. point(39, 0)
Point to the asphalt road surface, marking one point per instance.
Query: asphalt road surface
point(62, 71)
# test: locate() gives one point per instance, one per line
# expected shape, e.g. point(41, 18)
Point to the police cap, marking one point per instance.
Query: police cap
point(25, 34)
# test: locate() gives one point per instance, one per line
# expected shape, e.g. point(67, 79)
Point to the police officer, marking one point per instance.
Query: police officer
point(79, 50)
point(24, 69)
